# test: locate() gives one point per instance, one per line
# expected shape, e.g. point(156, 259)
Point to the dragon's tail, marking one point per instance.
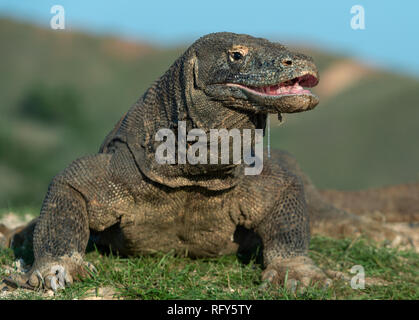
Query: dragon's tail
point(398, 203)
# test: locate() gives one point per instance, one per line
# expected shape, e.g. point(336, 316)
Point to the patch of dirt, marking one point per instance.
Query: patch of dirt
point(125, 49)
point(409, 229)
point(9, 293)
point(11, 220)
point(102, 293)
point(339, 76)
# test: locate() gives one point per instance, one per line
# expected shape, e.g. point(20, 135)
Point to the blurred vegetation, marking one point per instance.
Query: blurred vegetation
point(61, 92)
point(51, 105)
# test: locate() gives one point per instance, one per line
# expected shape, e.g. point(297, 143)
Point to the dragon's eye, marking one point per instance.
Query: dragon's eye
point(236, 55)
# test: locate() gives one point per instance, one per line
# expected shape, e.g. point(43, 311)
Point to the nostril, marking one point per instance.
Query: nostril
point(287, 62)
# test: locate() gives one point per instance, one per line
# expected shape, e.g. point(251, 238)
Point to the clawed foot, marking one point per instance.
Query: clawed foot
point(54, 275)
point(295, 273)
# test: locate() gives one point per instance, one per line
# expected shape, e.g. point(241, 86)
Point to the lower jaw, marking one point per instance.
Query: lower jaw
point(290, 103)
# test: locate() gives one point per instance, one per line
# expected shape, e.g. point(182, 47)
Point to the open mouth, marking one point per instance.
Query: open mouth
point(294, 86)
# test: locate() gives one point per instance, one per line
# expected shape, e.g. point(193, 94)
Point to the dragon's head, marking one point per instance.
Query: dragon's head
point(253, 74)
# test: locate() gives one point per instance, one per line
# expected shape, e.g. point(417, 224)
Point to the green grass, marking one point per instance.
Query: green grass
point(165, 276)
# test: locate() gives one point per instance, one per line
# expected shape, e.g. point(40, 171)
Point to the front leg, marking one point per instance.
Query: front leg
point(60, 237)
point(285, 233)
point(62, 229)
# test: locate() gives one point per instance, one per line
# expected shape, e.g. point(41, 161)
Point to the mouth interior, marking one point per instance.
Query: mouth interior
point(293, 86)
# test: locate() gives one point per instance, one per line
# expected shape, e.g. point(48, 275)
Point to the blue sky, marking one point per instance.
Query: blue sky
point(390, 38)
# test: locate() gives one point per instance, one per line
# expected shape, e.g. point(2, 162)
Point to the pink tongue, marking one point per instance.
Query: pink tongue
point(281, 89)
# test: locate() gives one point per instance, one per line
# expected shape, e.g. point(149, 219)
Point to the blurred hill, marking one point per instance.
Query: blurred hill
point(61, 92)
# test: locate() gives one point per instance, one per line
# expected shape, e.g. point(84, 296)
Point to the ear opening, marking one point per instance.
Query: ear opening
point(194, 90)
point(194, 63)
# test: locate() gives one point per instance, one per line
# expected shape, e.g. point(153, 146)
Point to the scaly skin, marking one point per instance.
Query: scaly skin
point(121, 197)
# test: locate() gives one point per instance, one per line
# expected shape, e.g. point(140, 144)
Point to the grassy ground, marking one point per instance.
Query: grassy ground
point(390, 274)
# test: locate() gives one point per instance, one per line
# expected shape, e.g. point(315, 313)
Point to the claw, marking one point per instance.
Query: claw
point(51, 283)
point(57, 279)
point(92, 269)
point(36, 279)
point(291, 285)
point(268, 278)
point(59, 273)
point(328, 283)
point(270, 275)
point(305, 281)
point(264, 285)
point(68, 279)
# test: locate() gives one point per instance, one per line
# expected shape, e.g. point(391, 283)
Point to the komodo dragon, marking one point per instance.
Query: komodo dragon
point(122, 198)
